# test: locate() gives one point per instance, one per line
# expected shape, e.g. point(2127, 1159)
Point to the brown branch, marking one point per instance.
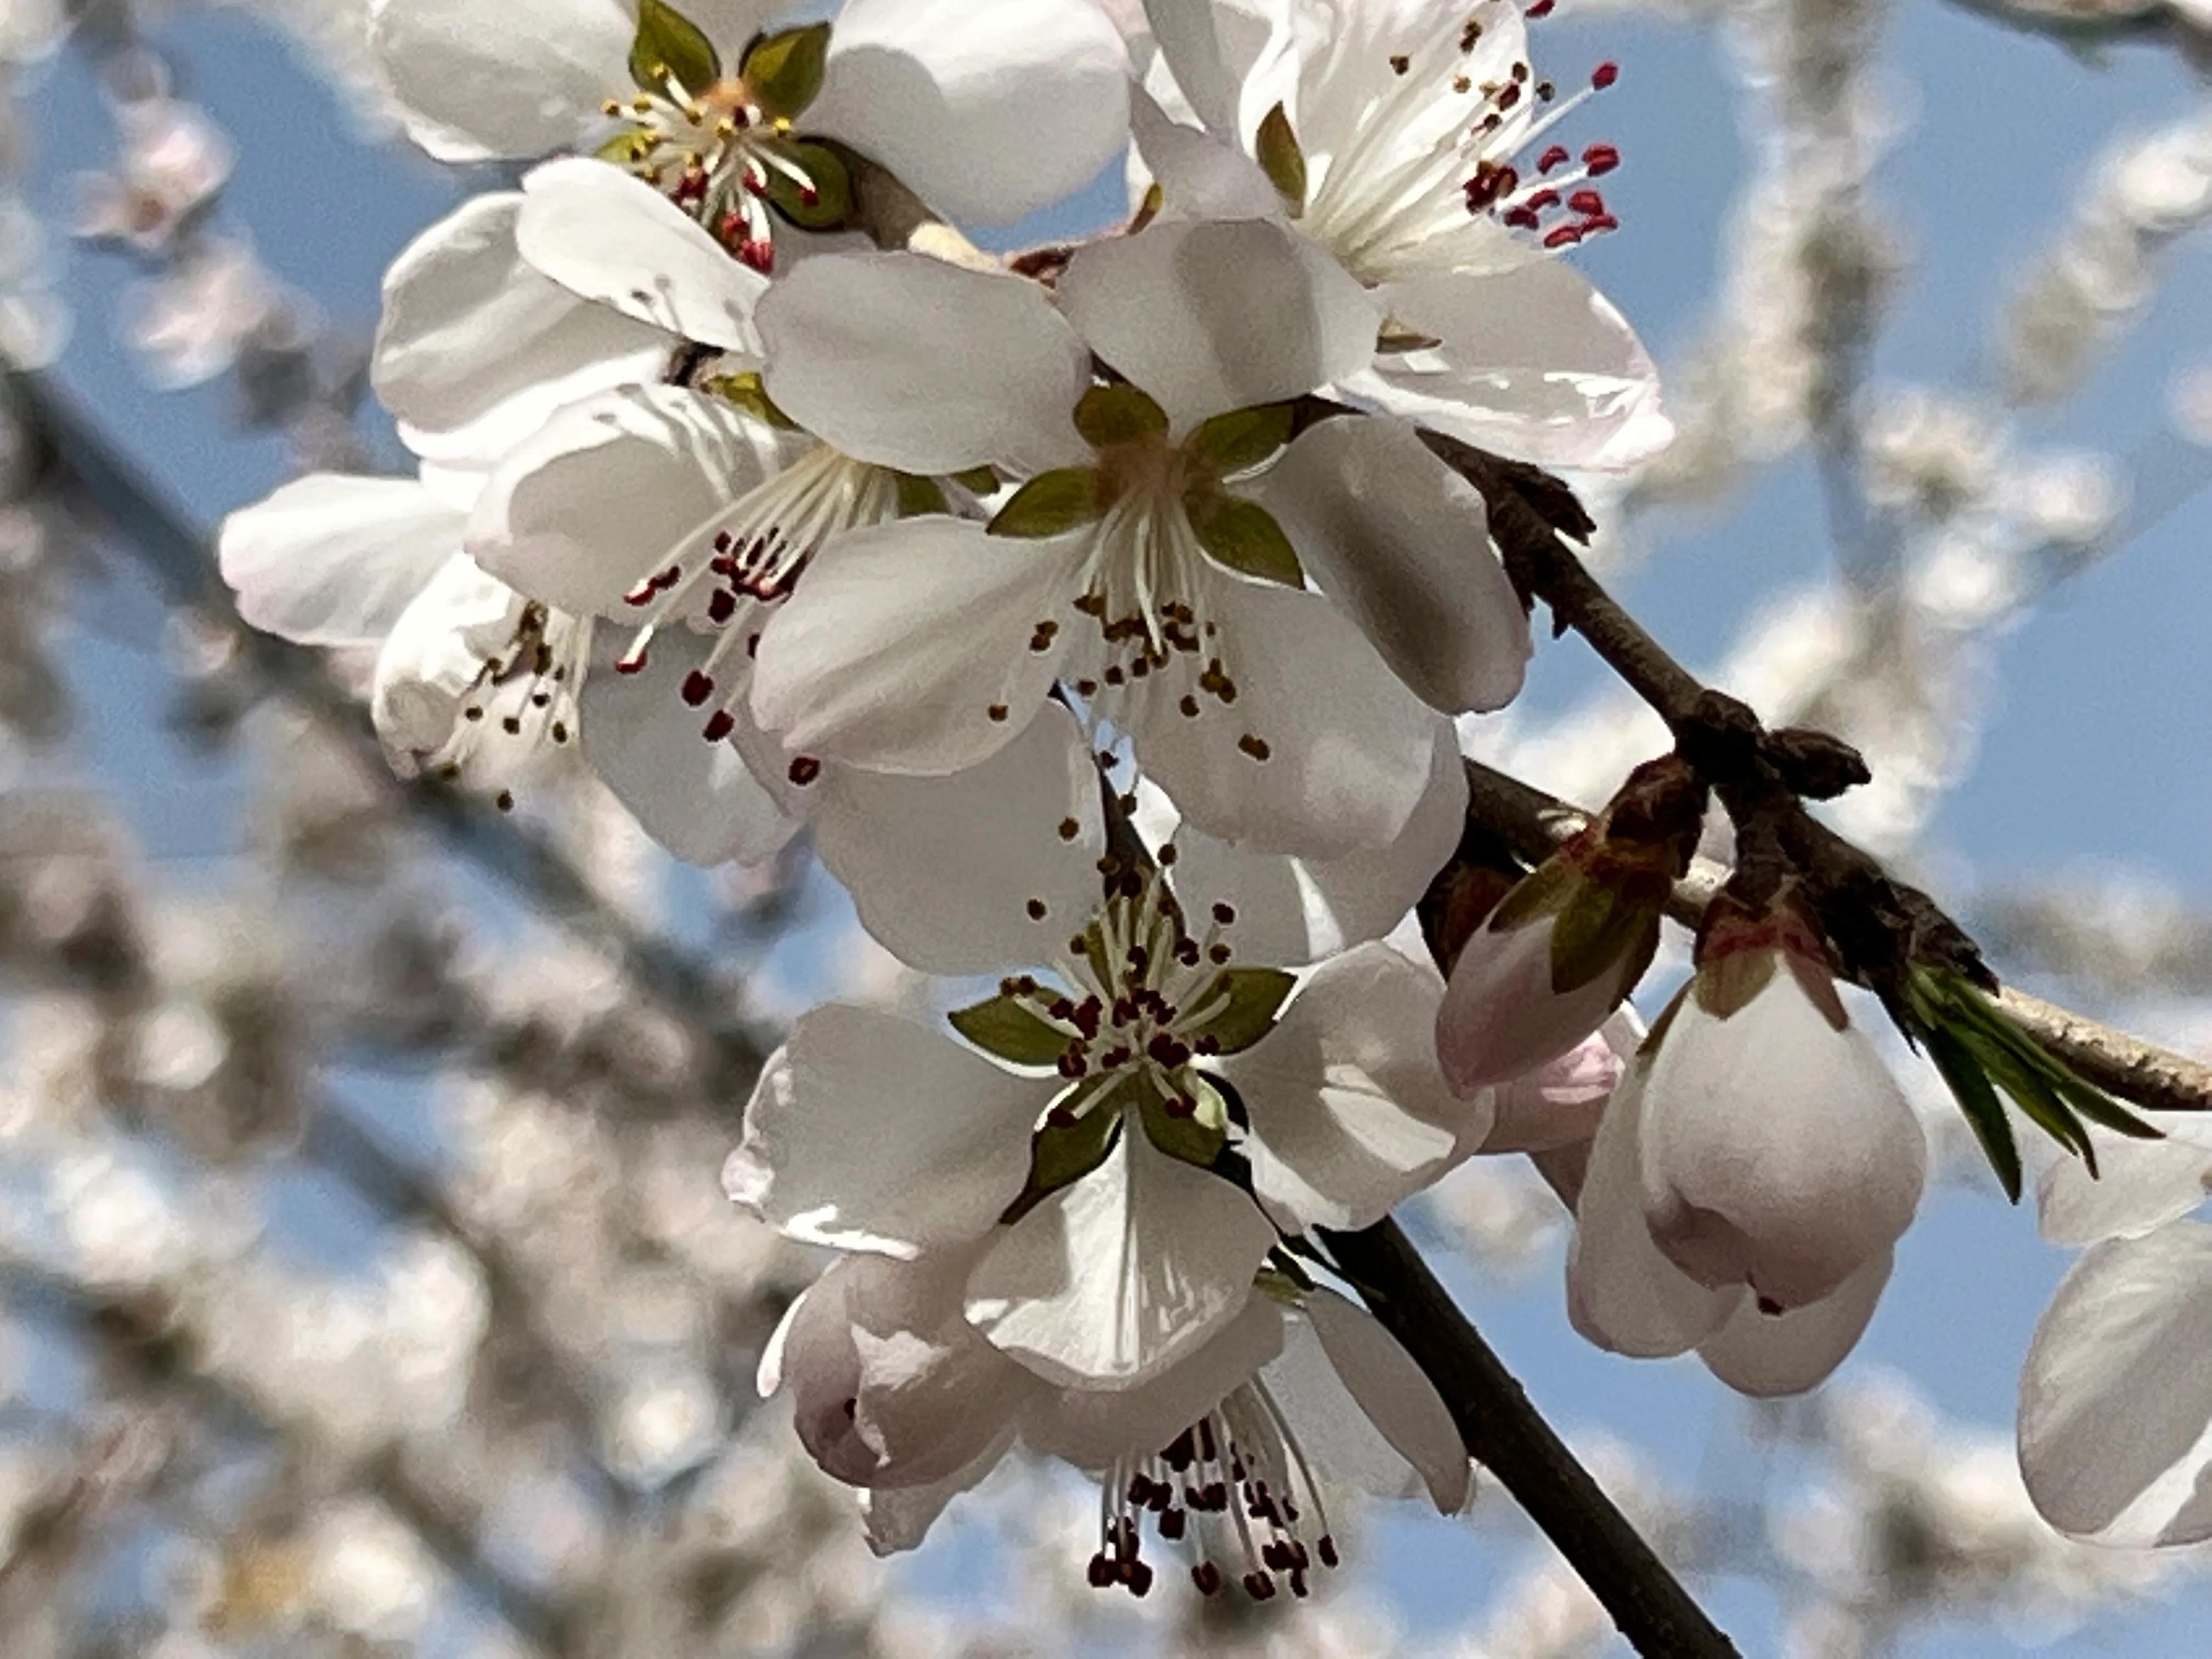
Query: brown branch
point(1509, 1438)
point(1532, 823)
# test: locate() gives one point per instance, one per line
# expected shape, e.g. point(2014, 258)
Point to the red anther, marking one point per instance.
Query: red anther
point(1060, 1118)
point(804, 771)
point(1139, 1578)
point(1601, 159)
point(1523, 217)
point(721, 726)
point(1538, 201)
point(1600, 222)
point(643, 593)
point(1101, 1572)
point(1588, 202)
point(1605, 74)
point(1207, 1577)
point(630, 662)
point(733, 229)
point(758, 254)
point(1540, 8)
point(1326, 1549)
point(809, 196)
point(698, 686)
point(721, 606)
point(1508, 96)
point(1564, 236)
point(1553, 157)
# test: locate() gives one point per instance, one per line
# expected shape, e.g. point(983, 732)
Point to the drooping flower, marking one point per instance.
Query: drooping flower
point(1223, 1456)
point(1084, 1134)
point(1415, 143)
point(1155, 563)
point(988, 109)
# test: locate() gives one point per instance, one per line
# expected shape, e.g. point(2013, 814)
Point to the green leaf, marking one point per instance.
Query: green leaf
point(1053, 503)
point(917, 496)
point(783, 71)
point(825, 201)
point(1242, 439)
point(1598, 931)
point(1971, 1003)
point(1244, 537)
point(1109, 415)
point(670, 46)
point(1984, 1113)
point(2030, 1090)
point(1255, 996)
point(1197, 1135)
point(1011, 1031)
point(2099, 1107)
point(748, 394)
point(1281, 159)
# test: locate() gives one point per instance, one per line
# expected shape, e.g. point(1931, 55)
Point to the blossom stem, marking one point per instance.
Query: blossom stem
point(1505, 1433)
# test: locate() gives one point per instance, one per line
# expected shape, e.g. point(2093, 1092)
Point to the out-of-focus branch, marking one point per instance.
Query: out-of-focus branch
point(1509, 1438)
point(103, 483)
point(2085, 25)
point(1533, 822)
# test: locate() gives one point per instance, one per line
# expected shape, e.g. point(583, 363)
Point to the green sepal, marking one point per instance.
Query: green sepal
point(1281, 159)
point(1256, 997)
point(1977, 1101)
point(1244, 537)
point(1243, 438)
point(783, 71)
point(919, 496)
point(747, 392)
point(1061, 1154)
point(1118, 414)
point(1545, 891)
point(1011, 1031)
point(1599, 929)
point(2030, 1091)
point(980, 480)
point(1725, 986)
point(1053, 503)
point(2085, 1096)
point(670, 46)
point(1196, 1137)
point(1094, 953)
point(833, 205)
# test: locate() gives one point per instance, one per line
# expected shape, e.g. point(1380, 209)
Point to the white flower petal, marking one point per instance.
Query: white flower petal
point(1115, 1277)
point(433, 658)
point(1532, 362)
point(600, 233)
point(912, 363)
point(902, 639)
point(1210, 317)
point(2140, 1185)
point(2116, 1399)
point(698, 799)
point(476, 349)
point(1563, 1101)
point(945, 871)
point(483, 78)
point(1213, 47)
point(1501, 1020)
point(1769, 1356)
point(1349, 1113)
point(615, 488)
point(1401, 542)
point(987, 109)
point(1093, 1428)
point(1348, 750)
point(1292, 911)
point(1622, 1294)
point(869, 1132)
point(1394, 1395)
point(333, 560)
point(1201, 176)
point(1777, 1151)
point(899, 1519)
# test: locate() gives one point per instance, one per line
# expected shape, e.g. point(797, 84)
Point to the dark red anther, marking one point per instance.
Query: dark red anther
point(1325, 1547)
point(698, 686)
point(804, 771)
point(1587, 202)
point(1523, 218)
point(1207, 1577)
point(1601, 159)
point(723, 723)
point(1605, 74)
point(1599, 222)
point(1540, 8)
point(1101, 1572)
point(1508, 96)
point(1540, 200)
point(809, 196)
point(721, 606)
point(1564, 236)
point(632, 662)
point(758, 254)
point(1553, 157)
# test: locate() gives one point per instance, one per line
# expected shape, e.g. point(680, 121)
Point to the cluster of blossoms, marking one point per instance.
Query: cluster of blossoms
point(1103, 616)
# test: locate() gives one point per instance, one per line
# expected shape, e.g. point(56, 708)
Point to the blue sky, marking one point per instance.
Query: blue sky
point(2096, 746)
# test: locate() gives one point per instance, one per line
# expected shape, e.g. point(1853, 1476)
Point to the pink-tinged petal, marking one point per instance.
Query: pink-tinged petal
point(970, 873)
point(477, 79)
point(1771, 1356)
point(1211, 317)
point(1112, 1279)
point(1400, 541)
point(911, 363)
point(1622, 1293)
point(1563, 1101)
point(333, 560)
point(476, 349)
point(906, 648)
point(2116, 1399)
point(987, 109)
point(614, 238)
point(868, 1132)
point(1532, 362)
point(1349, 1115)
point(1292, 911)
point(1779, 1152)
point(1323, 754)
point(1501, 1020)
point(1095, 1428)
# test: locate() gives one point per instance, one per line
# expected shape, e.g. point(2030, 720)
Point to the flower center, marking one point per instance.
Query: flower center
point(1239, 1470)
point(727, 572)
point(1436, 151)
point(720, 156)
point(523, 697)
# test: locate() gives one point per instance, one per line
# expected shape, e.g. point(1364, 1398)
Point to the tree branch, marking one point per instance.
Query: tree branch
point(1509, 1438)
